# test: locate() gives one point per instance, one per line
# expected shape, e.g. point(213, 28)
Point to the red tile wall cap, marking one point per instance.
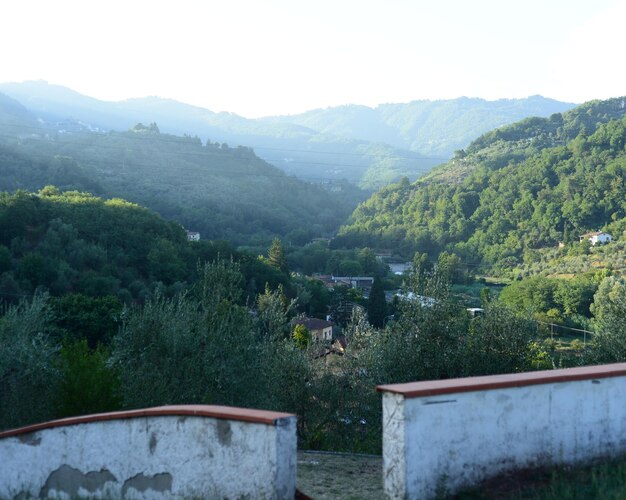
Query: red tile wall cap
point(469, 384)
point(221, 412)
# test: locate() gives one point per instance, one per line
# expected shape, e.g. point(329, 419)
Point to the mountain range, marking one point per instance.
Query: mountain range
point(370, 147)
point(222, 192)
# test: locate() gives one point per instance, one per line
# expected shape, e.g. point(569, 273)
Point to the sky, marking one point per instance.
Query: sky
point(270, 57)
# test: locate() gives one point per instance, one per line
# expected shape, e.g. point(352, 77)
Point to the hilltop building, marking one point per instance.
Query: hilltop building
point(192, 235)
point(597, 237)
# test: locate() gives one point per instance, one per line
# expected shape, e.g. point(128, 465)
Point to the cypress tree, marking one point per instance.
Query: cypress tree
point(276, 256)
point(377, 304)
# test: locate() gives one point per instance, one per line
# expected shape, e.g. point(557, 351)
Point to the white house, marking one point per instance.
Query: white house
point(597, 237)
point(192, 236)
point(354, 281)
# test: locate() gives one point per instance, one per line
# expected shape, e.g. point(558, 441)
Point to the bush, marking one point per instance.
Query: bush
point(88, 385)
point(29, 374)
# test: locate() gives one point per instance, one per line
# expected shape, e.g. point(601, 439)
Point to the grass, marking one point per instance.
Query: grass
point(340, 476)
point(603, 481)
point(344, 476)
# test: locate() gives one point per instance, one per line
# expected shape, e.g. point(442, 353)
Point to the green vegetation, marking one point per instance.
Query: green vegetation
point(208, 344)
point(514, 191)
point(221, 192)
point(308, 154)
point(435, 128)
point(107, 306)
point(377, 304)
point(74, 242)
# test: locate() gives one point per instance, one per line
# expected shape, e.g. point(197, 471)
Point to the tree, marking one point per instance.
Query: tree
point(449, 267)
point(276, 256)
point(367, 258)
point(301, 336)
point(29, 375)
point(609, 306)
point(609, 309)
point(350, 268)
point(377, 304)
point(94, 319)
point(274, 311)
point(422, 268)
point(534, 295)
point(575, 295)
point(499, 341)
point(88, 385)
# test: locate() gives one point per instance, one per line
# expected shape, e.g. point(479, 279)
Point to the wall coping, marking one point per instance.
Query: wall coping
point(489, 382)
point(213, 411)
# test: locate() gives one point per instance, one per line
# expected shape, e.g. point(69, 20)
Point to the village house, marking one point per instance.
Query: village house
point(192, 235)
point(597, 237)
point(354, 281)
point(359, 282)
point(320, 329)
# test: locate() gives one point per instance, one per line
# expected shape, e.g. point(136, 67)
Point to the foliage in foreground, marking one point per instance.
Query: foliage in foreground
point(205, 346)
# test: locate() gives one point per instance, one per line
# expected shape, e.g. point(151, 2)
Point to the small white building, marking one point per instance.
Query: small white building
point(354, 281)
point(597, 237)
point(192, 236)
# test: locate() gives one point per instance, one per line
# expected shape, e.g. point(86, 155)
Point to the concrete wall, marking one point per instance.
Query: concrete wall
point(439, 436)
point(165, 452)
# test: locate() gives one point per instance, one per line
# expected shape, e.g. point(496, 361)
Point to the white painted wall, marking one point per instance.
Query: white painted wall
point(435, 444)
point(601, 238)
point(153, 457)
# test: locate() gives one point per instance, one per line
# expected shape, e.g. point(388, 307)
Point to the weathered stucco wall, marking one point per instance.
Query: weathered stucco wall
point(442, 435)
point(166, 452)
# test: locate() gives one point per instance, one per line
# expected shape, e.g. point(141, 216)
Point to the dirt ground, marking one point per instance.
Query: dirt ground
point(340, 476)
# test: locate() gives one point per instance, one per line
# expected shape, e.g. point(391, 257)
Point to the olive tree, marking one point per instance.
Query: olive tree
point(29, 375)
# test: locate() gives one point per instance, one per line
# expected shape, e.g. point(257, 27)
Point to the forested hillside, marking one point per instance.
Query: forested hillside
point(370, 147)
point(435, 128)
point(309, 154)
point(514, 190)
point(221, 192)
point(72, 242)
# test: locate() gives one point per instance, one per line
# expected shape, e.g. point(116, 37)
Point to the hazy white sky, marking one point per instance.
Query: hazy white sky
point(262, 57)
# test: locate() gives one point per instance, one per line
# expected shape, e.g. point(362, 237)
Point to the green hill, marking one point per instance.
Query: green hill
point(434, 128)
point(298, 150)
point(221, 192)
point(514, 190)
point(74, 242)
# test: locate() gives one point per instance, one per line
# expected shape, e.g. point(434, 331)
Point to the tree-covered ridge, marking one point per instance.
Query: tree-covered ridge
point(221, 192)
point(432, 127)
point(301, 151)
point(76, 243)
point(529, 185)
point(14, 118)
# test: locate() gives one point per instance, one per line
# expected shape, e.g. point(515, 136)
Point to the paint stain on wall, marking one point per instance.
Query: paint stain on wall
point(70, 481)
point(224, 432)
point(159, 482)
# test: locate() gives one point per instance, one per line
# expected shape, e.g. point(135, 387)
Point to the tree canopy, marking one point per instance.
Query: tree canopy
point(517, 189)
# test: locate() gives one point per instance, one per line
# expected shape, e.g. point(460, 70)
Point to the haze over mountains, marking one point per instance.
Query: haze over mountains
point(223, 192)
point(366, 146)
point(435, 128)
